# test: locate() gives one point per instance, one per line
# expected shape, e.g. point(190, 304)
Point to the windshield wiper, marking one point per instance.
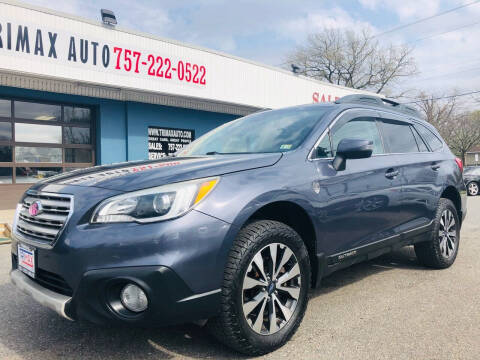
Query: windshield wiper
point(213, 153)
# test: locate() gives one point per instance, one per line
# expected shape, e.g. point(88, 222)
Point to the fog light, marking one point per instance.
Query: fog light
point(134, 298)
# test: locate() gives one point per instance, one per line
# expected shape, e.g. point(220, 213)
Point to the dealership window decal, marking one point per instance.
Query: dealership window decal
point(164, 142)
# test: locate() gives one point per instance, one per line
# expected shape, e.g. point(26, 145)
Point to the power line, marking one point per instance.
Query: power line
point(443, 33)
point(425, 19)
point(445, 97)
point(447, 74)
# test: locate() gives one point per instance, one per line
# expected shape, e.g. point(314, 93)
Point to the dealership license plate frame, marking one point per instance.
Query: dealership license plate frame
point(27, 260)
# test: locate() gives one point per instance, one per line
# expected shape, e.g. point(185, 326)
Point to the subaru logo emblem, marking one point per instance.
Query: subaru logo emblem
point(35, 208)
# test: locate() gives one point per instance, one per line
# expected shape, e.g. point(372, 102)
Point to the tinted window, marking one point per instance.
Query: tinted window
point(76, 114)
point(398, 137)
point(432, 140)
point(38, 133)
point(5, 131)
point(361, 128)
point(76, 135)
point(324, 148)
point(5, 153)
point(36, 111)
point(421, 144)
point(5, 108)
point(78, 156)
point(268, 131)
point(5, 175)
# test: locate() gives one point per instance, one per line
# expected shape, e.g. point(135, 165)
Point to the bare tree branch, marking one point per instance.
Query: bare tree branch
point(460, 129)
point(353, 59)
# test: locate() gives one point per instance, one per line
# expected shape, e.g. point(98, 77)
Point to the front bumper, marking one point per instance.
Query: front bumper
point(178, 263)
point(56, 302)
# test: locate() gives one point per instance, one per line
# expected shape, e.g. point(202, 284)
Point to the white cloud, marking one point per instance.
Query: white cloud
point(404, 8)
point(335, 18)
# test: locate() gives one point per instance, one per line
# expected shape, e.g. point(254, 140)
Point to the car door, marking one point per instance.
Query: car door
point(356, 206)
point(418, 171)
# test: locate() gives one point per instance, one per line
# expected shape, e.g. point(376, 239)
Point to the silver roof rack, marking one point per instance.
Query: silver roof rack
point(387, 104)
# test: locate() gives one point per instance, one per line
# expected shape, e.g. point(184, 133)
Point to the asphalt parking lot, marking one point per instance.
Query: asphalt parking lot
point(389, 308)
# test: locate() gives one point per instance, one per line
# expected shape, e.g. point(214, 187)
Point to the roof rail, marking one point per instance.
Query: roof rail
point(388, 104)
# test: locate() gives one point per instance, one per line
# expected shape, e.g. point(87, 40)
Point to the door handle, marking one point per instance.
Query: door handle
point(391, 174)
point(435, 167)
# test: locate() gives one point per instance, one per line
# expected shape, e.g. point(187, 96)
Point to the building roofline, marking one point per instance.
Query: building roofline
point(171, 41)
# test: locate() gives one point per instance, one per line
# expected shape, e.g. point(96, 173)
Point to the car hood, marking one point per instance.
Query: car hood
point(131, 176)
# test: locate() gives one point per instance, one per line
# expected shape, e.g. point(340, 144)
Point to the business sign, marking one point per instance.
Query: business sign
point(166, 141)
point(50, 45)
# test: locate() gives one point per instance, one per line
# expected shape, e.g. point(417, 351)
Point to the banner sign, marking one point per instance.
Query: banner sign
point(166, 141)
point(58, 46)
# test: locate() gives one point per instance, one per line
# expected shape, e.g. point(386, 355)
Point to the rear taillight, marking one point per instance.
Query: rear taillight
point(459, 163)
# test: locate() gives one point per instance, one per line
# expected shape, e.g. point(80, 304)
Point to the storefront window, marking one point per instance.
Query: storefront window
point(38, 133)
point(5, 175)
point(5, 131)
point(78, 156)
point(76, 135)
point(77, 115)
point(26, 175)
point(39, 140)
point(5, 153)
point(5, 108)
point(36, 111)
point(25, 154)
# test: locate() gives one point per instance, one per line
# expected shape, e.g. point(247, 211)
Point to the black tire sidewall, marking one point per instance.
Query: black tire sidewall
point(283, 234)
point(444, 205)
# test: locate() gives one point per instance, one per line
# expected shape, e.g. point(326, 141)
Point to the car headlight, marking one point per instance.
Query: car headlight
point(154, 204)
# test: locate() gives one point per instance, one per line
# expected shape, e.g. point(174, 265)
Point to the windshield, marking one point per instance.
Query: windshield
point(268, 131)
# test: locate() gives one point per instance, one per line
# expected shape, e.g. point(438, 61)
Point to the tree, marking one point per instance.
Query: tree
point(460, 129)
point(353, 59)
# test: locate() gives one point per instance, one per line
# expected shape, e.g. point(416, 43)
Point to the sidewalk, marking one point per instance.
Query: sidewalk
point(6, 216)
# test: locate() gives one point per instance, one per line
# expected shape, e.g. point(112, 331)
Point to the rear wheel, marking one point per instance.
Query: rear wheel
point(264, 294)
point(440, 252)
point(472, 188)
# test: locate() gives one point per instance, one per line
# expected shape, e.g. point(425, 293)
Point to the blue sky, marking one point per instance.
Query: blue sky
point(266, 30)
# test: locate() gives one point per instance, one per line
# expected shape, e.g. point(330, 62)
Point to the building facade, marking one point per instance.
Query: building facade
point(76, 93)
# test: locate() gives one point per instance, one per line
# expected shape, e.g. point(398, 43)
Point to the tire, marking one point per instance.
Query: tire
point(473, 188)
point(441, 250)
point(237, 325)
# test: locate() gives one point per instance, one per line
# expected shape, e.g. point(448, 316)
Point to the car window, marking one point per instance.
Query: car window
point(398, 137)
point(324, 148)
point(268, 131)
point(421, 144)
point(432, 140)
point(364, 128)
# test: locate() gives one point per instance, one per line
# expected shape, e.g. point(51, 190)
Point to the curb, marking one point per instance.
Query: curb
point(5, 231)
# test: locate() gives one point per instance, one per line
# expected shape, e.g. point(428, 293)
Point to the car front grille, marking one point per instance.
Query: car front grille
point(46, 226)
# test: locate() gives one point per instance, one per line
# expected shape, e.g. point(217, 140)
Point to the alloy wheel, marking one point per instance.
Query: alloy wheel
point(447, 234)
point(271, 288)
point(473, 189)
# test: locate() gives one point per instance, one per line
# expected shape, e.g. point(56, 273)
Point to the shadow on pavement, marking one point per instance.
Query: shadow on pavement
point(31, 331)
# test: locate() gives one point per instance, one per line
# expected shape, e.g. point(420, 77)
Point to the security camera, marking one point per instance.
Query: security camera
point(108, 17)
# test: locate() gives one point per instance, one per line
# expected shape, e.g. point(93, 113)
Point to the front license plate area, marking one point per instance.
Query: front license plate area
point(26, 260)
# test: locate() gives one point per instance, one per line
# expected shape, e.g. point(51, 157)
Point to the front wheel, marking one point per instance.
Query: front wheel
point(265, 288)
point(472, 188)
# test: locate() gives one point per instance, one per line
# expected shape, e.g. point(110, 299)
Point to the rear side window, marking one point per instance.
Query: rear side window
point(363, 128)
point(398, 137)
point(432, 140)
point(421, 144)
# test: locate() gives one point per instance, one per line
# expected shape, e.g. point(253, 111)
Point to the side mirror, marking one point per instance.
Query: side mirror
point(351, 149)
